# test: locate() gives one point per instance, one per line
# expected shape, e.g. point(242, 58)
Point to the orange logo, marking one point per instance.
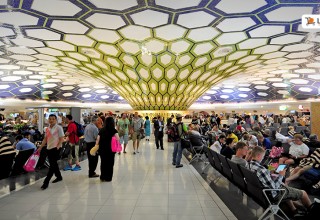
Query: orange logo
point(310, 20)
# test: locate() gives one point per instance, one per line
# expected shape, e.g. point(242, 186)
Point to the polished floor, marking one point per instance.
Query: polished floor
point(145, 186)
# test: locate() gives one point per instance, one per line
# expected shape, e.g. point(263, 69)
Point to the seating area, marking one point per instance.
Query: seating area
point(247, 181)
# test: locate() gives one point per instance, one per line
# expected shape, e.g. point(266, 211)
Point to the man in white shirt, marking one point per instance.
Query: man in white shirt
point(297, 151)
point(53, 139)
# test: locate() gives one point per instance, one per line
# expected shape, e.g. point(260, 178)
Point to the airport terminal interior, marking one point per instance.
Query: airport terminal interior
point(234, 70)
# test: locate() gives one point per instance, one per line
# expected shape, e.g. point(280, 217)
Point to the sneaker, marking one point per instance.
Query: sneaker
point(173, 163)
point(179, 165)
point(134, 152)
point(76, 168)
point(68, 167)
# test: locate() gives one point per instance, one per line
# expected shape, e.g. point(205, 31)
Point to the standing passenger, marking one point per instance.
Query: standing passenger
point(106, 154)
point(53, 139)
point(147, 126)
point(90, 136)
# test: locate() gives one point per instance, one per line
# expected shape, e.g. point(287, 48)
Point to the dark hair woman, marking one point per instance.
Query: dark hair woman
point(106, 154)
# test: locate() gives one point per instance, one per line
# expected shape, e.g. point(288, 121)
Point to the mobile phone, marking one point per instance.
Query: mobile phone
point(281, 167)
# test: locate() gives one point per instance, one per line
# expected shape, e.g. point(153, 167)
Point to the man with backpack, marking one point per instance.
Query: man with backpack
point(179, 131)
point(72, 134)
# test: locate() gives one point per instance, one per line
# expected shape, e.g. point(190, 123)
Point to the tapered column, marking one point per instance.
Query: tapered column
point(315, 118)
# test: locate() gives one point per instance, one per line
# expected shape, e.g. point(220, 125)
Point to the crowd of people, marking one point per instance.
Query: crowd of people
point(247, 147)
point(250, 146)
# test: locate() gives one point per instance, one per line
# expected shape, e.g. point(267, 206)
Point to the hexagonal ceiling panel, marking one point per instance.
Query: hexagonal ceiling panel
point(158, 54)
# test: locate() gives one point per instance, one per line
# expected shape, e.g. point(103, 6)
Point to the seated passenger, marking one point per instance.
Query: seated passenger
point(264, 142)
point(217, 146)
point(291, 131)
point(194, 135)
point(228, 150)
point(297, 151)
point(25, 143)
point(235, 138)
point(267, 181)
point(250, 140)
point(241, 153)
point(305, 164)
point(17, 139)
point(313, 143)
point(5, 145)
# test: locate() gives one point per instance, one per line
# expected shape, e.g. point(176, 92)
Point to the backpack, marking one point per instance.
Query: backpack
point(173, 132)
point(80, 129)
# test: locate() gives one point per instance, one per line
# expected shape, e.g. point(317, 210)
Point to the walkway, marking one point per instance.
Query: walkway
point(145, 186)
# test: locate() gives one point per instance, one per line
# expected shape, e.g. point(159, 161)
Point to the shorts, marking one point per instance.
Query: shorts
point(135, 136)
point(124, 139)
point(292, 193)
point(76, 151)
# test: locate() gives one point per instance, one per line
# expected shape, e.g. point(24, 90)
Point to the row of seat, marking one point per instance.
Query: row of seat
point(12, 164)
point(247, 181)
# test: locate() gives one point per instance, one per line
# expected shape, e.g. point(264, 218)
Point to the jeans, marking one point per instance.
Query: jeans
point(177, 153)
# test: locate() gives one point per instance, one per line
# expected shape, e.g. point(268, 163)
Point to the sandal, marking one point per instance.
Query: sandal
point(316, 186)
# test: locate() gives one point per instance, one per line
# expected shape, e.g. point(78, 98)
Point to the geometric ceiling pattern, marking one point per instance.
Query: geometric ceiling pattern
point(158, 54)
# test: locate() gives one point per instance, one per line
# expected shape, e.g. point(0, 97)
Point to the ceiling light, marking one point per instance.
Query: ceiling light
point(224, 96)
point(305, 89)
point(25, 90)
point(104, 96)
point(206, 97)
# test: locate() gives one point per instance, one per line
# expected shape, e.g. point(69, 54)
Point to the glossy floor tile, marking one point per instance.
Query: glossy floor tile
point(145, 186)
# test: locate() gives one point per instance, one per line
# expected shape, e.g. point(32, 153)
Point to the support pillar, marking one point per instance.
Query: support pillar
point(76, 113)
point(40, 119)
point(315, 118)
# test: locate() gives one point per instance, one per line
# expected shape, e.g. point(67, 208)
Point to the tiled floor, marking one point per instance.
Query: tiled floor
point(145, 186)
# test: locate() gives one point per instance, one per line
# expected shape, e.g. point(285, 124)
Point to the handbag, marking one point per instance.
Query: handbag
point(94, 150)
point(115, 145)
point(31, 163)
point(185, 143)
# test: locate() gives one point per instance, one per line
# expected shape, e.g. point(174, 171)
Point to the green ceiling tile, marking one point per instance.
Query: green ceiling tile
point(157, 71)
point(131, 73)
point(180, 46)
point(165, 59)
point(147, 60)
point(184, 73)
point(203, 48)
point(129, 60)
point(195, 74)
point(77, 56)
point(144, 88)
point(171, 72)
point(163, 86)
point(184, 59)
point(136, 87)
point(101, 64)
point(143, 72)
point(114, 62)
point(201, 61)
point(122, 76)
point(108, 49)
point(173, 85)
point(153, 86)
